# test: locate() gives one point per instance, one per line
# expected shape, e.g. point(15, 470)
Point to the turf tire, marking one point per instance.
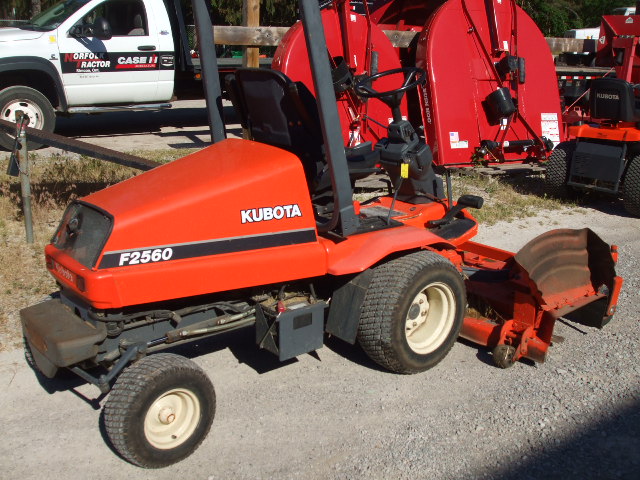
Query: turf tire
point(557, 171)
point(393, 292)
point(631, 187)
point(143, 386)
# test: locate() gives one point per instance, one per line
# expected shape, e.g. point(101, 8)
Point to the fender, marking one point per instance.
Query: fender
point(40, 64)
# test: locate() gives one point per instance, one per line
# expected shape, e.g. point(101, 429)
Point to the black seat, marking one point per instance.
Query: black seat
point(613, 99)
point(283, 113)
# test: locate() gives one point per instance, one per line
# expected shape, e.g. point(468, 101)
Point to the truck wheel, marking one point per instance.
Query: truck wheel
point(159, 410)
point(557, 174)
point(631, 187)
point(412, 312)
point(32, 103)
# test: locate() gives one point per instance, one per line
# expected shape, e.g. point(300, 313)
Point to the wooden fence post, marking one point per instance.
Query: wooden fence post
point(251, 18)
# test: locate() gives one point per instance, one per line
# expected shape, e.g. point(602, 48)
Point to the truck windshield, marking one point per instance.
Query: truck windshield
point(53, 16)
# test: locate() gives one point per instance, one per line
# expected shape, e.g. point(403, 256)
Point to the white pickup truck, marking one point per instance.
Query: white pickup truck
point(90, 56)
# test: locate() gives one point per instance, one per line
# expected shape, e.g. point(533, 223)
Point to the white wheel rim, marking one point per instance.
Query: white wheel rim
point(35, 114)
point(430, 318)
point(172, 418)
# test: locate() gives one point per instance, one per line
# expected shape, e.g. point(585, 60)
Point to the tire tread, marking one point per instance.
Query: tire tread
point(383, 296)
point(631, 187)
point(130, 384)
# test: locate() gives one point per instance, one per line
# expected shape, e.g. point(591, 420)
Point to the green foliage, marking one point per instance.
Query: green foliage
point(272, 12)
point(554, 17)
point(21, 9)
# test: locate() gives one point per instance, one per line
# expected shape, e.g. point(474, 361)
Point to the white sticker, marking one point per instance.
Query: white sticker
point(550, 127)
point(629, 20)
point(460, 144)
point(505, 46)
point(455, 142)
point(353, 17)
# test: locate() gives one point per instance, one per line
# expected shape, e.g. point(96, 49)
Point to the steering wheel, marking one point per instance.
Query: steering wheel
point(413, 76)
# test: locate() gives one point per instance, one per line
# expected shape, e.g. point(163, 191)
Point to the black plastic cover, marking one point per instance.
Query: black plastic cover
point(613, 99)
point(82, 233)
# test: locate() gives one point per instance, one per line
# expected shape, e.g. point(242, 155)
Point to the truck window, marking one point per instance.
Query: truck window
point(125, 17)
point(53, 16)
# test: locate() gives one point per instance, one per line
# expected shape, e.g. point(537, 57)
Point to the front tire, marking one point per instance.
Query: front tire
point(32, 103)
point(557, 171)
point(631, 187)
point(159, 410)
point(412, 312)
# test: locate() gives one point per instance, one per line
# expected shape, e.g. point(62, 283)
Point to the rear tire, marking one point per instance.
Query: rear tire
point(631, 187)
point(31, 102)
point(28, 355)
point(557, 173)
point(159, 410)
point(412, 312)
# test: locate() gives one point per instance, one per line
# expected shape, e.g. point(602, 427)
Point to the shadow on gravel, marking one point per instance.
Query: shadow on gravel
point(116, 124)
point(353, 353)
point(127, 123)
point(67, 381)
point(241, 344)
point(609, 449)
point(484, 354)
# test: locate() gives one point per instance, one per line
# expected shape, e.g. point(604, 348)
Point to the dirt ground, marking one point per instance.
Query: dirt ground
point(334, 414)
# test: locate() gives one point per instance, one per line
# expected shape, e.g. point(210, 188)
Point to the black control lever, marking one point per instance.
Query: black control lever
point(471, 201)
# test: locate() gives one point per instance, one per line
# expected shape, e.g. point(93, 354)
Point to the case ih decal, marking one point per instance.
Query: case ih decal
point(92, 62)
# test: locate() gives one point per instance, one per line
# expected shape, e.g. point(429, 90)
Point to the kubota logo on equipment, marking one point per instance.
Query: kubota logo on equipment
point(270, 213)
point(608, 96)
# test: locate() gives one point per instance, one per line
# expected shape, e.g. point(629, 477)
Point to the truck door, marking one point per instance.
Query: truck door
point(136, 65)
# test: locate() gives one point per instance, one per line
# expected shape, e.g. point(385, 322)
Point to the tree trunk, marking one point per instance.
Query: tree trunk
point(35, 7)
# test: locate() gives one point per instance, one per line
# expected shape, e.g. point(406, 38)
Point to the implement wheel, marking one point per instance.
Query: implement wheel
point(159, 410)
point(412, 312)
point(503, 356)
point(631, 187)
point(557, 173)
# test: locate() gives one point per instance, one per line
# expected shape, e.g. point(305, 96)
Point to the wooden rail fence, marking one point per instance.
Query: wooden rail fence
point(270, 36)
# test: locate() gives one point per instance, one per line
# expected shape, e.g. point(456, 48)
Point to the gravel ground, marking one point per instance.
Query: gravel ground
point(335, 415)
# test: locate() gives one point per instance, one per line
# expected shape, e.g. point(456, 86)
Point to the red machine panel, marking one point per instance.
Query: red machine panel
point(469, 49)
point(351, 36)
point(617, 47)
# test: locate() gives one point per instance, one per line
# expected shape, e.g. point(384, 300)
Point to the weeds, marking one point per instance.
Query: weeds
point(55, 181)
point(507, 198)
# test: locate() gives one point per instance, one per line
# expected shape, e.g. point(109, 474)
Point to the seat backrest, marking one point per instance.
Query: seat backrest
point(282, 113)
point(138, 26)
point(613, 99)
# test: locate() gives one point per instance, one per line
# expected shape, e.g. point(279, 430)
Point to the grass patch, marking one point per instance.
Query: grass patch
point(56, 180)
point(507, 198)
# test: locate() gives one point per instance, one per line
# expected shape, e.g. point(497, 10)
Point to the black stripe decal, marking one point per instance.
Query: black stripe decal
point(202, 249)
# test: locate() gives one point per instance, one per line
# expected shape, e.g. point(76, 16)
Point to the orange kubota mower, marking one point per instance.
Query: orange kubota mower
point(265, 234)
point(604, 154)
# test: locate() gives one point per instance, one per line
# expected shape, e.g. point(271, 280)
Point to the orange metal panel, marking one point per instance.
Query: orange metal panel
point(602, 132)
